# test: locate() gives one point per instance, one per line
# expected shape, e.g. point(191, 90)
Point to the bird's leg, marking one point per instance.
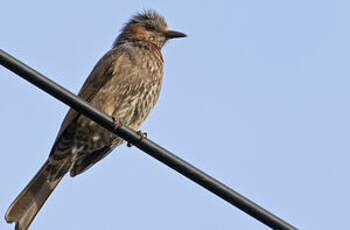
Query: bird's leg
point(142, 136)
point(116, 122)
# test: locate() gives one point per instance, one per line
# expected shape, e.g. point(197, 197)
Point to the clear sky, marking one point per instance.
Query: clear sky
point(257, 96)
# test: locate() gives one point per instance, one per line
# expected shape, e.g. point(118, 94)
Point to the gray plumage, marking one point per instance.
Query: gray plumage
point(125, 84)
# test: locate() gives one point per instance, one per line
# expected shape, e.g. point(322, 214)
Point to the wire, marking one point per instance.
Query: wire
point(145, 144)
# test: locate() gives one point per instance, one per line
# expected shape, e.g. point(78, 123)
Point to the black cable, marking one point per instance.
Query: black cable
point(146, 145)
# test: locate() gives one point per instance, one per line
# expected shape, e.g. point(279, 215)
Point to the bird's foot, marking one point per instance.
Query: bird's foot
point(142, 136)
point(116, 122)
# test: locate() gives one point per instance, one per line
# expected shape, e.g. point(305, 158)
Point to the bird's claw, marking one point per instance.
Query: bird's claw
point(142, 136)
point(116, 122)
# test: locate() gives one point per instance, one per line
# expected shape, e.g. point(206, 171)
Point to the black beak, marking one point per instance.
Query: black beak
point(174, 34)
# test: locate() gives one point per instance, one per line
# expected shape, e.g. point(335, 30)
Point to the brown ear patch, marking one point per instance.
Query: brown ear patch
point(137, 31)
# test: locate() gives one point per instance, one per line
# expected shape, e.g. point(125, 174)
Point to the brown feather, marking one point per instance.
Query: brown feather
point(99, 76)
point(27, 204)
point(125, 84)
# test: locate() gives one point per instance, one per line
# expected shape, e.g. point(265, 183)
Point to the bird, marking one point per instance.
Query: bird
point(125, 84)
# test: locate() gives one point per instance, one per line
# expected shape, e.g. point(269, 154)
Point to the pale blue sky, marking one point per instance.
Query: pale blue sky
point(262, 88)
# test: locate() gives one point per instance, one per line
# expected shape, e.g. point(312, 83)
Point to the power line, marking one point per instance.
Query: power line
point(145, 145)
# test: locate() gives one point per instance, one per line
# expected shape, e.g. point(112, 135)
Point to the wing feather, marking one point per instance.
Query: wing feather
point(99, 76)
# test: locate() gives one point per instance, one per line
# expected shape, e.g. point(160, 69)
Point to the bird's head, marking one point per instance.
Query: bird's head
point(150, 27)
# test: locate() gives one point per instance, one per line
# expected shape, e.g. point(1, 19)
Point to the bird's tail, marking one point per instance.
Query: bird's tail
point(28, 203)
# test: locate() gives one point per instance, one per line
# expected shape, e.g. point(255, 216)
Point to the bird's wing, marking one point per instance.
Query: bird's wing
point(106, 69)
point(99, 76)
point(89, 160)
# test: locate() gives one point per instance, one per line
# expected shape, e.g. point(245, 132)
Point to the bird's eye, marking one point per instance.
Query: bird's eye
point(149, 27)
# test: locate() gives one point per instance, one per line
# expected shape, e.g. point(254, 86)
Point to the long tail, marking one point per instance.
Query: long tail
point(28, 203)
